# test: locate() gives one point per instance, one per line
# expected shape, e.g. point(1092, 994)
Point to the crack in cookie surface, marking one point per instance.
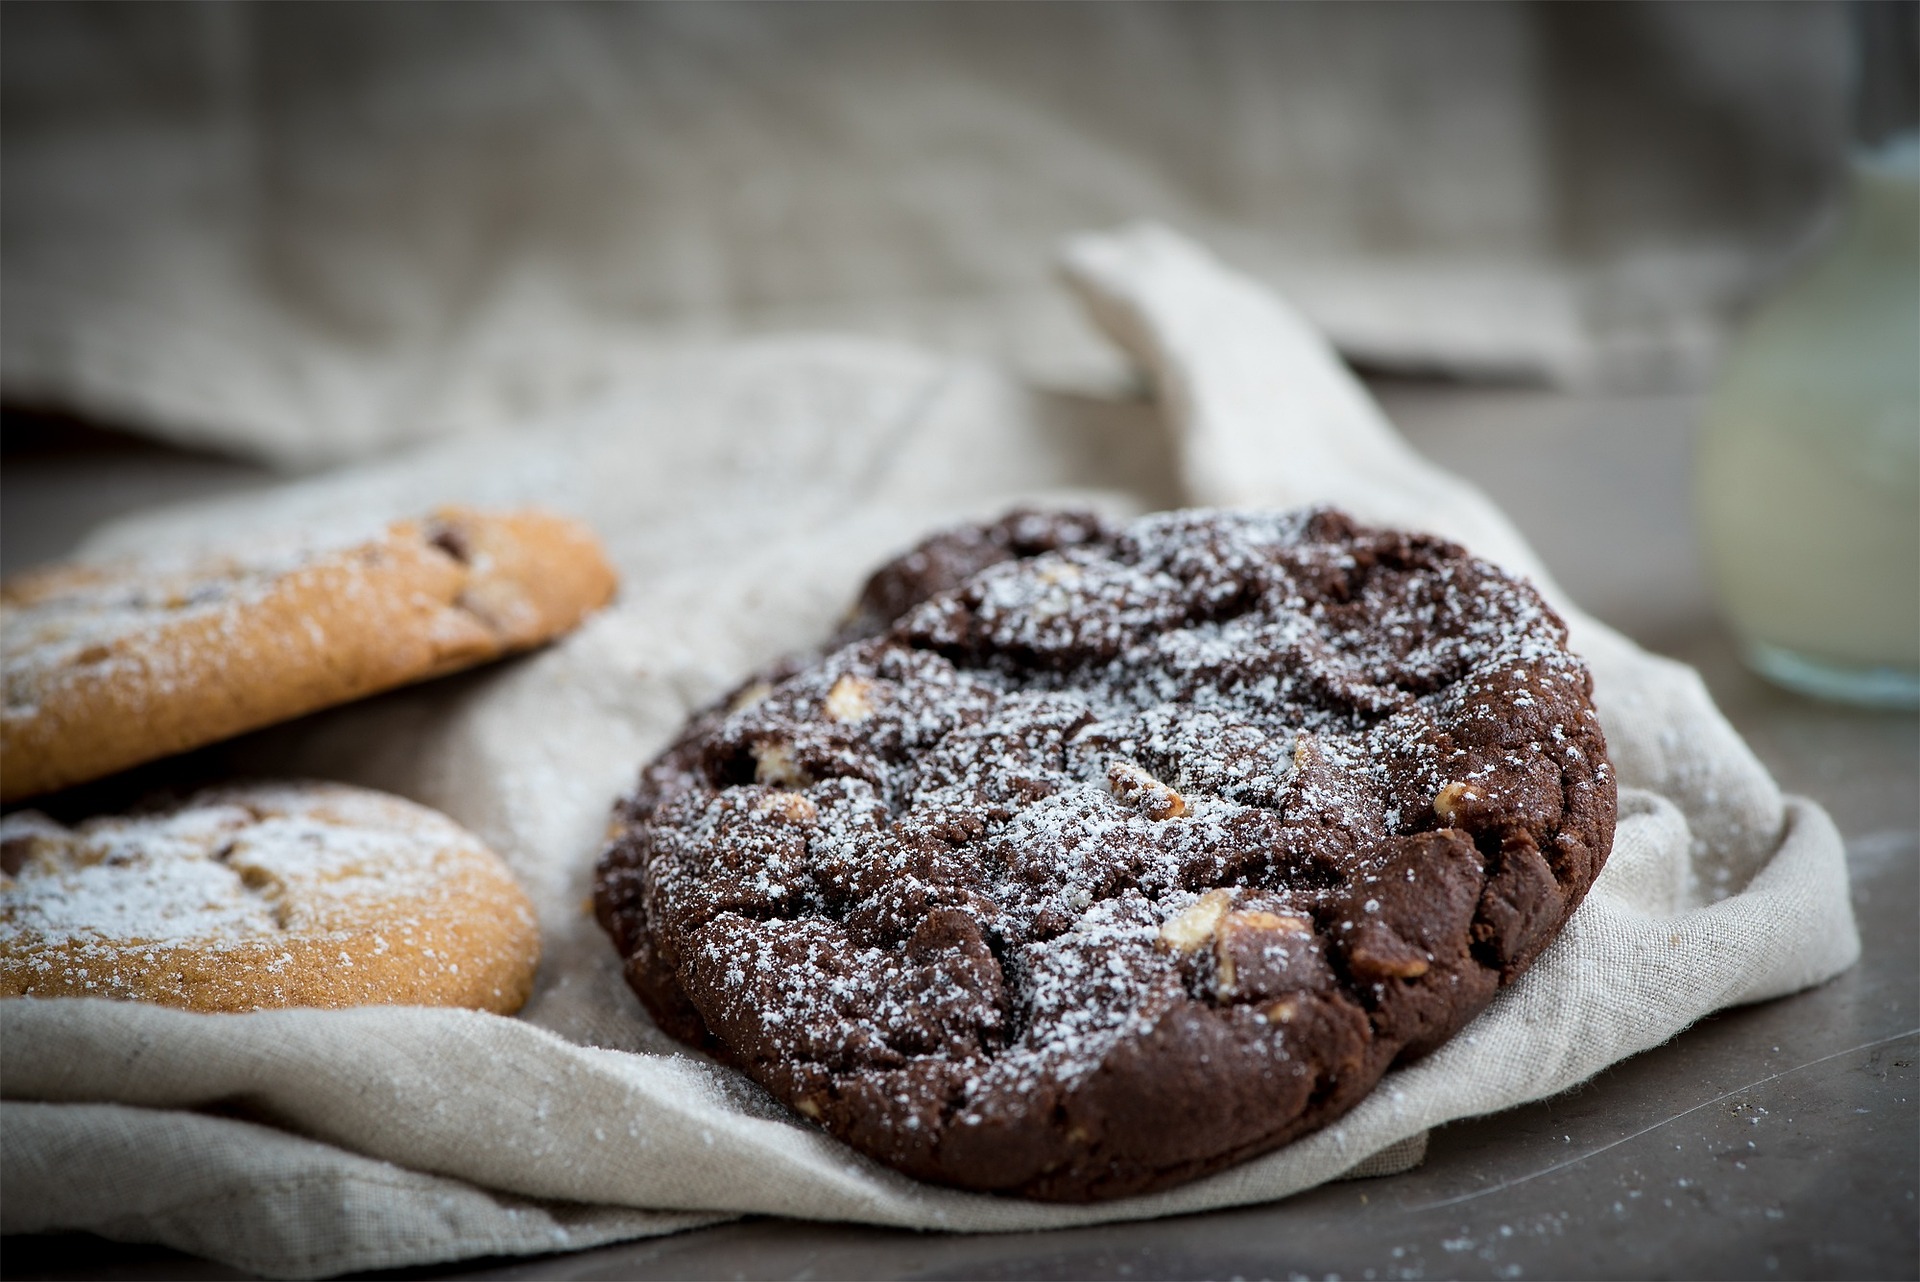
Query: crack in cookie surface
point(1130, 854)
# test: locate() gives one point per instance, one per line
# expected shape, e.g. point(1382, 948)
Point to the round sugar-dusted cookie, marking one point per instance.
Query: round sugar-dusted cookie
point(1123, 861)
point(109, 666)
point(258, 896)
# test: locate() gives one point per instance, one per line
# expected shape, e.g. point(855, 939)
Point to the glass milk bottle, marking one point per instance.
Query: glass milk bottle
point(1809, 466)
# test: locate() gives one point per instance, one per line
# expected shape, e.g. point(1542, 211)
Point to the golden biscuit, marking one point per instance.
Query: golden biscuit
point(258, 896)
point(110, 666)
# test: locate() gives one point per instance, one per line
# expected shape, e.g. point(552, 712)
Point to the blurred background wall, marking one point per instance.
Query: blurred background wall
point(312, 232)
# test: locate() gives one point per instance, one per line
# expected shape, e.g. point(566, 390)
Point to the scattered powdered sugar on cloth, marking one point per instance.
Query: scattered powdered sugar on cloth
point(451, 1134)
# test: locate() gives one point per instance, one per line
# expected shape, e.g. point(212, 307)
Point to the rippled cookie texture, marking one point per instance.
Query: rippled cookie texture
point(1101, 858)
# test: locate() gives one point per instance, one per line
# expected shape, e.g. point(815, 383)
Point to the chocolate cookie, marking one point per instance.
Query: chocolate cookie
point(1109, 866)
point(109, 666)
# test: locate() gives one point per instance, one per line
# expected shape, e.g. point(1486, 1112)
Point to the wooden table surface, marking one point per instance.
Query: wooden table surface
point(1779, 1140)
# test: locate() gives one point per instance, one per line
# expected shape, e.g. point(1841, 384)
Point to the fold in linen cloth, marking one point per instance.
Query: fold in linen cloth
point(744, 497)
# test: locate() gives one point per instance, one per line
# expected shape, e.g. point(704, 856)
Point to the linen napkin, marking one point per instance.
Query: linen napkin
point(744, 496)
